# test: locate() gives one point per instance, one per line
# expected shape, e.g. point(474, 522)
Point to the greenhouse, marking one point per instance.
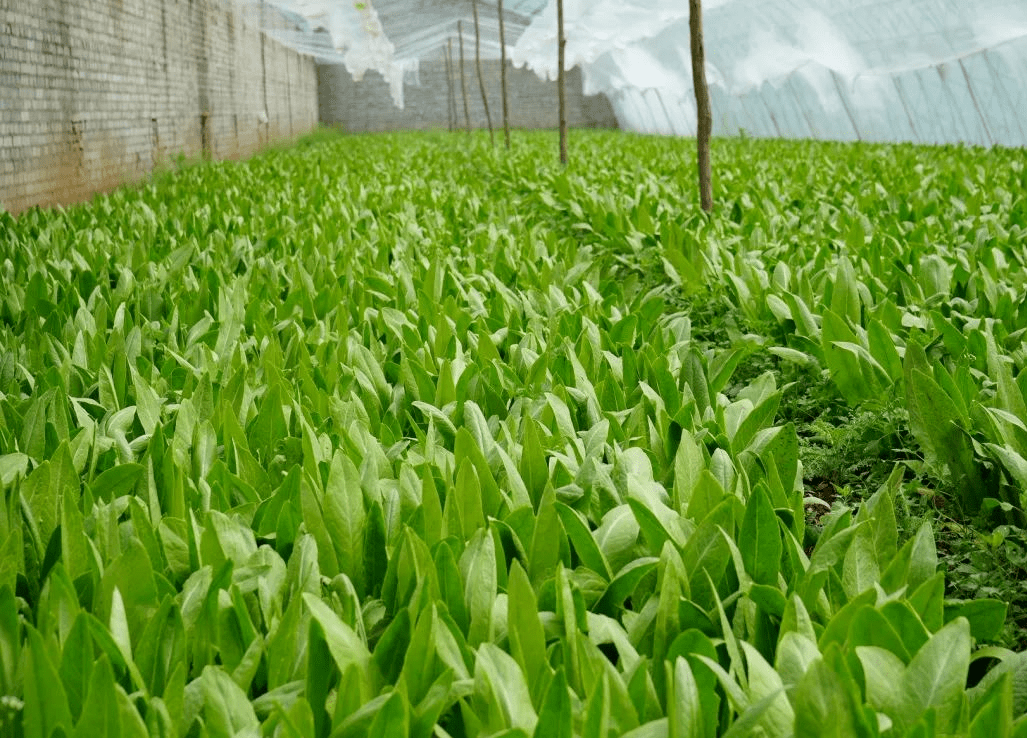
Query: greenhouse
point(513, 368)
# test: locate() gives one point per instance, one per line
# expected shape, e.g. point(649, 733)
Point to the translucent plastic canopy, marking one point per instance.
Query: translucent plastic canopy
point(932, 71)
point(393, 36)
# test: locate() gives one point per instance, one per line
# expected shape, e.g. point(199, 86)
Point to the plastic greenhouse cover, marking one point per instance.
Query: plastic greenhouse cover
point(357, 34)
point(362, 41)
point(933, 71)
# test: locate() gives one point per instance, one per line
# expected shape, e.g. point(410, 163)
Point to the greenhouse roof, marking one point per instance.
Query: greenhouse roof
point(927, 70)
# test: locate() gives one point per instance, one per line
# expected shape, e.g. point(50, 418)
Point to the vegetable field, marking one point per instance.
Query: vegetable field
point(403, 435)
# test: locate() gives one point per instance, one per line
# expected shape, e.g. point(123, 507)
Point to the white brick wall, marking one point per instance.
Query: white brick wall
point(94, 93)
point(368, 106)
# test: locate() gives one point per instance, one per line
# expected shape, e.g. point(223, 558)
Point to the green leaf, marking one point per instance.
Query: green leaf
point(577, 530)
point(414, 650)
point(764, 684)
point(100, 714)
point(268, 427)
point(162, 646)
point(937, 426)
point(928, 601)
point(41, 505)
point(226, 708)
point(33, 434)
point(1014, 463)
point(721, 368)
point(393, 717)
point(1015, 665)
point(500, 683)
point(532, 466)
point(907, 624)
point(376, 557)
point(657, 522)
point(828, 704)
point(883, 350)
point(148, 403)
point(344, 518)
point(760, 539)
point(994, 710)
point(527, 638)
point(467, 448)
point(883, 671)
point(860, 570)
point(653, 729)
point(1009, 396)
point(624, 583)
point(708, 493)
point(839, 345)
point(13, 466)
point(546, 542)
point(795, 653)
point(688, 465)
point(298, 720)
point(684, 711)
point(869, 627)
point(77, 659)
point(46, 703)
point(478, 568)
point(936, 676)
point(465, 501)
point(75, 546)
point(555, 717)
point(345, 646)
point(705, 555)
point(760, 418)
point(117, 481)
point(598, 716)
point(923, 557)
point(845, 295)
point(617, 535)
point(452, 589)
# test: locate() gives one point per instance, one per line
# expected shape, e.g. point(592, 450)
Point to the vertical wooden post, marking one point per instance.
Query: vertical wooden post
point(561, 81)
point(702, 105)
point(502, 75)
point(463, 79)
point(451, 98)
point(481, 79)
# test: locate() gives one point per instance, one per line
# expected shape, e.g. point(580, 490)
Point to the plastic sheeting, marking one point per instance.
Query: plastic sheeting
point(930, 71)
point(349, 32)
point(392, 36)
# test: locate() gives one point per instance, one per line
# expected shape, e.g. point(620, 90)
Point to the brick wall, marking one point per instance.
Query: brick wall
point(367, 105)
point(96, 93)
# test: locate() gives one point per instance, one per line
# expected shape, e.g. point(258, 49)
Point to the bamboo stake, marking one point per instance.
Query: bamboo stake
point(463, 80)
point(702, 105)
point(481, 78)
point(561, 82)
point(502, 75)
point(450, 97)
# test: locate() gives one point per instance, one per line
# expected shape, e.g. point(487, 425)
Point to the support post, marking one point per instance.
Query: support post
point(561, 81)
point(463, 79)
point(450, 97)
point(502, 75)
point(702, 105)
point(481, 78)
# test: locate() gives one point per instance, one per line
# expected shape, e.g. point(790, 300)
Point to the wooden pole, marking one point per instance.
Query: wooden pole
point(702, 105)
point(561, 82)
point(450, 97)
point(452, 66)
point(481, 78)
point(502, 76)
point(463, 79)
